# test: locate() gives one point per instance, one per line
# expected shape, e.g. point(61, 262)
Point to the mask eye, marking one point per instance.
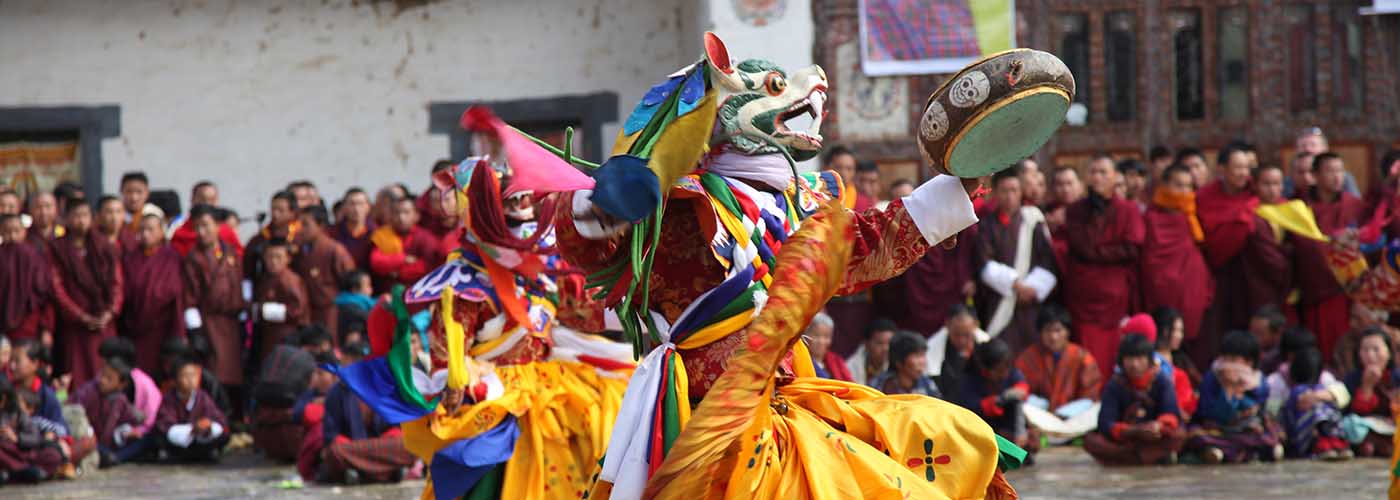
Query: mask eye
point(775, 84)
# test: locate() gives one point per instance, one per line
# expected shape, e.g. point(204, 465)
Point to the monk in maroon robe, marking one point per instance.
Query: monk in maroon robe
point(111, 222)
point(44, 226)
point(402, 252)
point(25, 279)
point(280, 306)
point(941, 278)
point(1174, 273)
point(353, 226)
point(439, 218)
point(214, 294)
point(1324, 308)
point(1066, 190)
point(1105, 236)
point(88, 286)
point(1009, 297)
point(282, 225)
point(155, 305)
point(1268, 259)
point(1226, 210)
point(320, 263)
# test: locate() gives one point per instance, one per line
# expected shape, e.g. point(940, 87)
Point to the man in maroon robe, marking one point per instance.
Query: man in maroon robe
point(88, 286)
point(942, 277)
point(280, 306)
point(213, 279)
point(402, 252)
point(1226, 210)
point(109, 221)
point(353, 226)
point(1066, 189)
point(1174, 273)
point(436, 217)
point(282, 225)
point(24, 277)
point(136, 191)
point(320, 263)
point(1105, 235)
point(155, 304)
point(1268, 259)
point(1015, 264)
point(44, 227)
point(1323, 306)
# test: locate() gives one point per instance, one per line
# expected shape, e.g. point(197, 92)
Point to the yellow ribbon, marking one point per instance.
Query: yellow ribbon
point(457, 377)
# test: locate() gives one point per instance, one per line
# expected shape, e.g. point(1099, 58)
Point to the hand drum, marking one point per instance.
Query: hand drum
point(994, 112)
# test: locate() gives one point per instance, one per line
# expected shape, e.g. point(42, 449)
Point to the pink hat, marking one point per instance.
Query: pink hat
point(1140, 324)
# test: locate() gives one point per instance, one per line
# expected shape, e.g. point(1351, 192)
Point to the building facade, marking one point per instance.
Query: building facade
point(1173, 73)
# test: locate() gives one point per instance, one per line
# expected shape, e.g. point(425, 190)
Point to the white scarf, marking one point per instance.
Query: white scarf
point(1006, 308)
point(771, 170)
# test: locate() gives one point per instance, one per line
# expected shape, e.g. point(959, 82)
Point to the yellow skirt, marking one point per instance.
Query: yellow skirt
point(565, 411)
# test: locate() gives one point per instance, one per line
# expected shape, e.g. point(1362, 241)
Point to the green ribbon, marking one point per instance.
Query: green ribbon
point(400, 356)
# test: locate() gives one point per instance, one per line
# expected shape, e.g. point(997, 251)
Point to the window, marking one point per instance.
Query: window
point(1302, 57)
point(1346, 42)
point(1120, 66)
point(1232, 67)
point(1187, 82)
point(1073, 49)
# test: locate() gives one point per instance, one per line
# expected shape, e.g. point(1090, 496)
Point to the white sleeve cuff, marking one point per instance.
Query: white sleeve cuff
point(1042, 281)
point(180, 435)
point(274, 312)
point(119, 434)
point(215, 430)
point(247, 290)
point(592, 223)
point(193, 320)
point(940, 208)
point(999, 277)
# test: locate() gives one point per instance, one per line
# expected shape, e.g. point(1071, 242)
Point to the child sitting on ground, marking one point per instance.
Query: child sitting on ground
point(359, 444)
point(1139, 422)
point(113, 416)
point(310, 409)
point(1231, 424)
point(190, 426)
point(1310, 416)
point(995, 390)
point(28, 453)
point(1064, 379)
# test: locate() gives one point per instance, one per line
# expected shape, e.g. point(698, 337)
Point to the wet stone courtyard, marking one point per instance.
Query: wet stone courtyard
point(1060, 473)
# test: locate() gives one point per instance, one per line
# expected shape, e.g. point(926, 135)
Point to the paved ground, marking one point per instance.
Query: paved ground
point(1062, 473)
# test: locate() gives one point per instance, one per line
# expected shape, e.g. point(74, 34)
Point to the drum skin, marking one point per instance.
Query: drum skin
point(995, 112)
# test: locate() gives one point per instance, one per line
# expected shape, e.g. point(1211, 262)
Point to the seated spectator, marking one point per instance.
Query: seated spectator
point(871, 358)
point(1231, 424)
point(827, 363)
point(359, 444)
point(1310, 417)
point(284, 377)
point(353, 303)
point(190, 426)
point(1296, 340)
point(174, 349)
point(1372, 384)
point(1064, 379)
point(1139, 422)
point(995, 390)
point(907, 373)
point(951, 346)
point(143, 392)
point(113, 416)
point(29, 361)
point(1267, 326)
point(28, 453)
point(310, 409)
point(1360, 320)
point(1173, 360)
